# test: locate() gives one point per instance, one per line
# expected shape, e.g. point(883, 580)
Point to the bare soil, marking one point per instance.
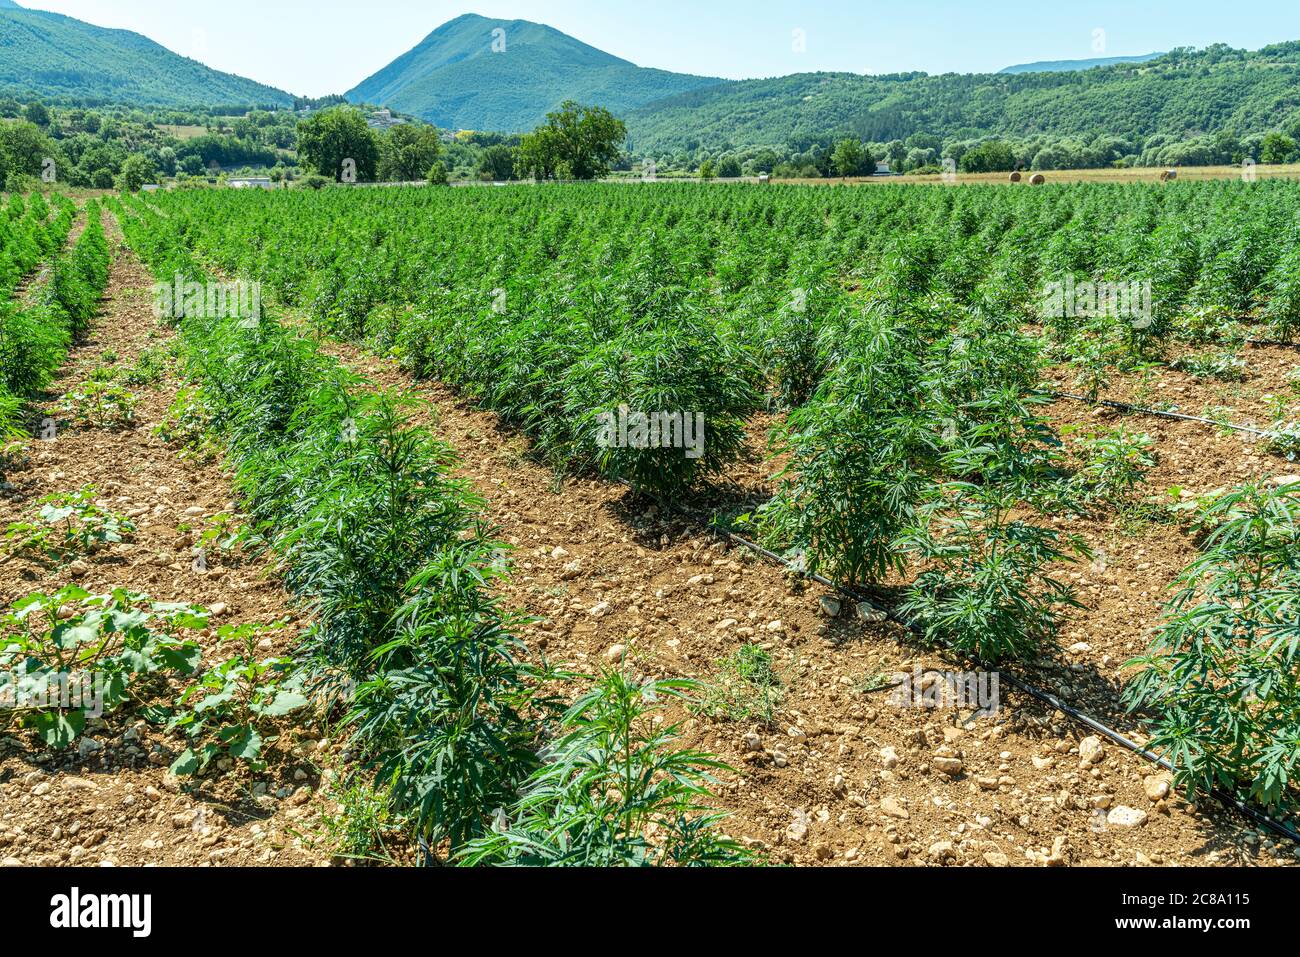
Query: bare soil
point(110, 800)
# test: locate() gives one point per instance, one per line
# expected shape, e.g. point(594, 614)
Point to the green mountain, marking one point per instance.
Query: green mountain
point(51, 56)
point(1183, 94)
point(1060, 66)
point(506, 75)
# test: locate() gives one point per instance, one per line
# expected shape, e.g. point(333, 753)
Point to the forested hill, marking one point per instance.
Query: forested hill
point(50, 56)
point(1181, 95)
point(506, 75)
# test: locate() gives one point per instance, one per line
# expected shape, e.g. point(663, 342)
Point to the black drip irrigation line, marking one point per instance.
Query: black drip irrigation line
point(1254, 814)
point(1252, 341)
point(1182, 417)
point(1015, 681)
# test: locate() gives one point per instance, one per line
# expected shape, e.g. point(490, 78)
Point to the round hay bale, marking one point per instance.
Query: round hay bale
point(1038, 179)
point(1015, 177)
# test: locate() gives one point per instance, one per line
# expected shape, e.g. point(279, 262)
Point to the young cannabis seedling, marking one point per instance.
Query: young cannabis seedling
point(613, 791)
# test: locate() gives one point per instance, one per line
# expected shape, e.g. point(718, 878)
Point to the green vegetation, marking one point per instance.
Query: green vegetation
point(901, 333)
point(68, 525)
point(745, 687)
point(393, 557)
point(575, 142)
point(1222, 678)
point(1130, 113)
point(73, 655)
point(614, 792)
point(35, 334)
point(230, 710)
point(56, 56)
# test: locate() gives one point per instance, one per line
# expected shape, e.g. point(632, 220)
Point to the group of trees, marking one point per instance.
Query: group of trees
point(338, 144)
point(93, 146)
point(1246, 93)
point(926, 153)
point(575, 142)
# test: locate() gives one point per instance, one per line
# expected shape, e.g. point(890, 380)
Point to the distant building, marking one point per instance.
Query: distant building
point(250, 182)
point(382, 120)
point(882, 169)
point(150, 188)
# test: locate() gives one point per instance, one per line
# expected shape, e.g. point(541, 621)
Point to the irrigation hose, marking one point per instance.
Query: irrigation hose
point(1254, 814)
point(1015, 681)
point(1142, 410)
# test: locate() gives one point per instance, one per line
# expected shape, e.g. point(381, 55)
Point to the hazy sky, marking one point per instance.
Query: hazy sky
point(315, 47)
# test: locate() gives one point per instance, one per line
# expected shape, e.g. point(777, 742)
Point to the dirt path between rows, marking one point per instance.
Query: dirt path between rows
point(110, 800)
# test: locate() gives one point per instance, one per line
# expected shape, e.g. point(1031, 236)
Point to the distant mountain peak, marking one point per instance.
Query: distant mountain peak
point(1063, 66)
point(475, 72)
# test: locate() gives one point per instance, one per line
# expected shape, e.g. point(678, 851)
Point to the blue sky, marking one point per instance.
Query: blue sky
point(326, 46)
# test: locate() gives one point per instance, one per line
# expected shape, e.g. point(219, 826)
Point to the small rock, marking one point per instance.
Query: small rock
point(888, 758)
point(830, 607)
point(1059, 855)
point(1090, 751)
point(615, 653)
point(599, 610)
point(942, 851)
point(996, 859)
point(798, 828)
point(949, 766)
point(1124, 816)
point(892, 808)
point(1156, 787)
point(870, 613)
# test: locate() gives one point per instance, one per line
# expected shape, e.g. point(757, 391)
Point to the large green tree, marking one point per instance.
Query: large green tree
point(23, 150)
point(576, 142)
point(407, 152)
point(136, 172)
point(498, 163)
point(850, 158)
point(1276, 148)
point(337, 143)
